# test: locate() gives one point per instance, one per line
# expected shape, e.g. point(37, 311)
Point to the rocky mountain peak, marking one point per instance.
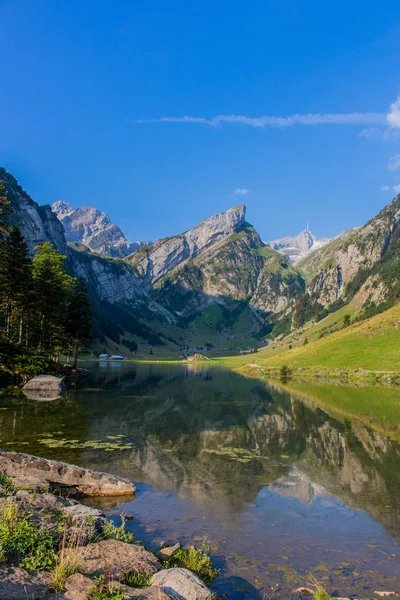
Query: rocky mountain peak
point(62, 208)
point(168, 253)
point(88, 226)
point(297, 247)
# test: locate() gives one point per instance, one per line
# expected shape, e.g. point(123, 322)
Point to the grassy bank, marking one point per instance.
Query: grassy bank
point(370, 346)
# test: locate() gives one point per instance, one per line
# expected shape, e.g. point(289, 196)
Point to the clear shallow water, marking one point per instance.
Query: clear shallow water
point(279, 486)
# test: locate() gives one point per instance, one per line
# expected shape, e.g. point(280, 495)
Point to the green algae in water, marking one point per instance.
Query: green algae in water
point(52, 442)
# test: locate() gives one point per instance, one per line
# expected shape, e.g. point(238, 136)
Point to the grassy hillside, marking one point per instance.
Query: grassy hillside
point(373, 344)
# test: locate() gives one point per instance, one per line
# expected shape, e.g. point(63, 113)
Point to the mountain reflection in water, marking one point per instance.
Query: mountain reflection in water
point(281, 487)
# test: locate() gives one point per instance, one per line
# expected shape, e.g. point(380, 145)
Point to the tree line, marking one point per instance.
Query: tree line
point(44, 312)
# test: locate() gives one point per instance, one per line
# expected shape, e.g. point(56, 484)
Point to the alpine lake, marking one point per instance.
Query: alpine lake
point(283, 481)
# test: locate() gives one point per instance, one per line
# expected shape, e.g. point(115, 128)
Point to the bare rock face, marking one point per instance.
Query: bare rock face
point(94, 229)
point(19, 583)
point(117, 558)
point(154, 262)
point(41, 472)
point(351, 255)
point(37, 223)
point(44, 387)
point(181, 584)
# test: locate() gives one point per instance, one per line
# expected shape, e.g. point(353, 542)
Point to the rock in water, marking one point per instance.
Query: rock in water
point(181, 584)
point(44, 387)
point(28, 470)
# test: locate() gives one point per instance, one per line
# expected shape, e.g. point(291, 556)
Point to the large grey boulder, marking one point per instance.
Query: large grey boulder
point(30, 471)
point(116, 558)
point(181, 584)
point(44, 387)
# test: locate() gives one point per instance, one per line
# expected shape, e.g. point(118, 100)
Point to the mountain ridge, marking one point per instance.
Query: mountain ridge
point(218, 274)
point(94, 229)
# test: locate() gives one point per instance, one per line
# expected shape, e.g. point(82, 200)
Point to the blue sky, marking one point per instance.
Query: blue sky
point(87, 91)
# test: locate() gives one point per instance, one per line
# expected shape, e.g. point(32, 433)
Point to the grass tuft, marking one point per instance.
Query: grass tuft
point(196, 560)
point(68, 562)
point(6, 483)
point(104, 590)
point(137, 580)
point(319, 592)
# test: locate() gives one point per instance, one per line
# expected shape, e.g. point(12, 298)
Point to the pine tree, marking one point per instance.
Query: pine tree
point(5, 209)
point(52, 286)
point(79, 318)
point(15, 282)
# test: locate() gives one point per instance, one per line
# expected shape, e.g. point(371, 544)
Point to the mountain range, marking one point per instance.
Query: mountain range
point(217, 284)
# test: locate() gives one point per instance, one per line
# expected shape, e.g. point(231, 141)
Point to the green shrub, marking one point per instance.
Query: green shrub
point(32, 545)
point(7, 483)
point(196, 560)
point(112, 532)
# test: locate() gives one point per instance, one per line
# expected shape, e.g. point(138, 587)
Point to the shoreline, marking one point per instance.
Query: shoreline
point(77, 553)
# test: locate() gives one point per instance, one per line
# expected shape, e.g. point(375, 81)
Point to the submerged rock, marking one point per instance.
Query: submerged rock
point(181, 584)
point(40, 473)
point(45, 387)
point(117, 559)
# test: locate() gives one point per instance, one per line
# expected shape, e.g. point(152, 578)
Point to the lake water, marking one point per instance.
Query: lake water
point(280, 487)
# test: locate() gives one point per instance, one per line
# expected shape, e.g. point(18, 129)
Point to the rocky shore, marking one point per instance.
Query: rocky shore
point(54, 547)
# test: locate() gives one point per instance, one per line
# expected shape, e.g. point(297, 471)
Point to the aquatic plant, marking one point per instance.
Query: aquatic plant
point(112, 532)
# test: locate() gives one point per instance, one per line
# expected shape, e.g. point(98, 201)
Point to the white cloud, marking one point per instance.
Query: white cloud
point(385, 188)
point(272, 121)
point(382, 134)
point(393, 117)
point(396, 188)
point(394, 163)
point(240, 192)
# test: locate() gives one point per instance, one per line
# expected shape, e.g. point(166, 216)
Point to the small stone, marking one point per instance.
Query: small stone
point(166, 552)
point(78, 587)
point(181, 583)
point(385, 594)
point(304, 591)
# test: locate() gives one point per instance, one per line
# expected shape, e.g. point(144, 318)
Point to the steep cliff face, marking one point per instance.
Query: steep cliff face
point(94, 229)
point(107, 279)
point(37, 223)
point(239, 268)
point(359, 256)
point(154, 262)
